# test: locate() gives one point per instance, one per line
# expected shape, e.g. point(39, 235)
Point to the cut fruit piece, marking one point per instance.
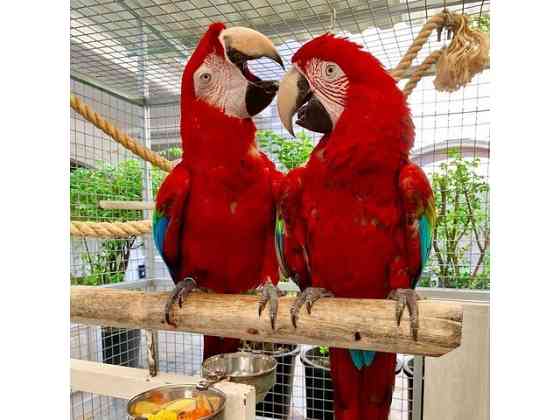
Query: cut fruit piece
point(145, 407)
point(203, 403)
point(184, 404)
point(158, 398)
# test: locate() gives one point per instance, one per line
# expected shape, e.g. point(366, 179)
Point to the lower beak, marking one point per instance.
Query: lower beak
point(259, 95)
point(295, 95)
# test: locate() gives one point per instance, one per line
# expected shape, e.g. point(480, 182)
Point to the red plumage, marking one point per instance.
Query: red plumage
point(218, 199)
point(346, 211)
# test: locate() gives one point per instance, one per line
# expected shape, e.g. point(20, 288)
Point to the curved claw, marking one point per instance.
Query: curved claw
point(408, 298)
point(269, 293)
point(308, 297)
point(182, 289)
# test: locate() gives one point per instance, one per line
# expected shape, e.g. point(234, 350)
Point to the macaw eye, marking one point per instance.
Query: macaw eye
point(205, 77)
point(332, 71)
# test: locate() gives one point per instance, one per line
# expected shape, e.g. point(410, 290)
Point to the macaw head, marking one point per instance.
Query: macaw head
point(217, 74)
point(332, 81)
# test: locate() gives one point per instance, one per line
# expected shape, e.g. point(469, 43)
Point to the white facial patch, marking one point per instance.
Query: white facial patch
point(219, 83)
point(330, 84)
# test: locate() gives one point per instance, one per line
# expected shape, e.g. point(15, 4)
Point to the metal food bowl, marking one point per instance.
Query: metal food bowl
point(258, 370)
point(175, 392)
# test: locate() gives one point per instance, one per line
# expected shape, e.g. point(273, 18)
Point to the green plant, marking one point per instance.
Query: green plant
point(460, 255)
point(123, 181)
point(172, 153)
point(289, 154)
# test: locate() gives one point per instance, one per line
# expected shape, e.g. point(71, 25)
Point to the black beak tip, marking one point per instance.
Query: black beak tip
point(278, 59)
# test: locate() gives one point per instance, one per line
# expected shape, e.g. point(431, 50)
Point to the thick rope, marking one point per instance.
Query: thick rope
point(417, 75)
point(122, 138)
point(456, 65)
point(110, 229)
point(435, 22)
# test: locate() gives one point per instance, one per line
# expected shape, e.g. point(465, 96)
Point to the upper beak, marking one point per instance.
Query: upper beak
point(242, 44)
point(292, 94)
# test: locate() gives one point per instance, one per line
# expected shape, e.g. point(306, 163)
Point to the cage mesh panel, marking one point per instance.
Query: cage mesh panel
point(126, 53)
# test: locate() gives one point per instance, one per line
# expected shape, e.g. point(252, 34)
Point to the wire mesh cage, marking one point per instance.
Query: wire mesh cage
point(127, 58)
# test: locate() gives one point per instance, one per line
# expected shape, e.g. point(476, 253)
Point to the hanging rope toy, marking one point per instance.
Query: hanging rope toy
point(466, 55)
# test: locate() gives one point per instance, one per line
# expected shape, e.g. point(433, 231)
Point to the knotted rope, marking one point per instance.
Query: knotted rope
point(466, 55)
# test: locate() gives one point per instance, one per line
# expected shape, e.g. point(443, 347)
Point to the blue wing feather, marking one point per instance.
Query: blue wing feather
point(425, 232)
point(159, 229)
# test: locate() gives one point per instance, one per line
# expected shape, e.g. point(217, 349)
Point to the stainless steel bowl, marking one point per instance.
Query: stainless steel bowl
point(175, 392)
point(258, 370)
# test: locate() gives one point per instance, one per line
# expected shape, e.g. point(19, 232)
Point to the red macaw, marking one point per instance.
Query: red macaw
point(358, 217)
point(215, 213)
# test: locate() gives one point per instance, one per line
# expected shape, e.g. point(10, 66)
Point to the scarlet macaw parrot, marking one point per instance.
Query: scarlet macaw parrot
point(215, 213)
point(359, 216)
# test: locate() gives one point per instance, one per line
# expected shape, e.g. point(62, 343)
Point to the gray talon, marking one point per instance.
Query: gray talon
point(269, 293)
point(308, 297)
point(182, 289)
point(408, 298)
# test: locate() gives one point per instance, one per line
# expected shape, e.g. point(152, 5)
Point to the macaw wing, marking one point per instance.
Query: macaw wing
point(169, 217)
point(419, 207)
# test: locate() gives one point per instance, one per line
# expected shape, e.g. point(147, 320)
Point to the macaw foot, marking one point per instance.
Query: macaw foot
point(409, 298)
point(182, 289)
point(308, 297)
point(270, 293)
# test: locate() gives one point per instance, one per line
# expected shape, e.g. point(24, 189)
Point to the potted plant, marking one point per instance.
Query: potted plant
point(277, 402)
point(104, 262)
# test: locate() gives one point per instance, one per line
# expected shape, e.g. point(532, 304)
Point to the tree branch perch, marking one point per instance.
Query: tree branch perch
point(367, 324)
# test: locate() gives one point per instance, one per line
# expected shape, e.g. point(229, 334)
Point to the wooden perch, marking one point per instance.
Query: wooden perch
point(367, 324)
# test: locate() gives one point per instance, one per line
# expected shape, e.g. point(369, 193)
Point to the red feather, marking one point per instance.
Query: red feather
point(223, 232)
point(346, 208)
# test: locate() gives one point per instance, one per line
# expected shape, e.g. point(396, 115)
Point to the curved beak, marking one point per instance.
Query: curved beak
point(242, 44)
point(295, 95)
point(292, 87)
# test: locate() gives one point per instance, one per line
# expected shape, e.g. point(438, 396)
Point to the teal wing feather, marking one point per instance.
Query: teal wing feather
point(361, 358)
point(159, 223)
point(426, 224)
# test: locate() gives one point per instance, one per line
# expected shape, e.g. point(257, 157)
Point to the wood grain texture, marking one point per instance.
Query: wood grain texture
point(367, 324)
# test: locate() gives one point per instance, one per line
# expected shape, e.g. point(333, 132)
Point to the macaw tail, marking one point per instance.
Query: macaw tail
point(362, 393)
point(217, 345)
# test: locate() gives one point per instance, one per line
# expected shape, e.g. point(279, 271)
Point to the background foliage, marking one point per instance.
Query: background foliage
point(288, 154)
point(123, 181)
point(460, 255)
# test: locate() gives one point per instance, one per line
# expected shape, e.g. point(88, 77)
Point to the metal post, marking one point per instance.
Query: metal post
point(418, 388)
point(143, 84)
